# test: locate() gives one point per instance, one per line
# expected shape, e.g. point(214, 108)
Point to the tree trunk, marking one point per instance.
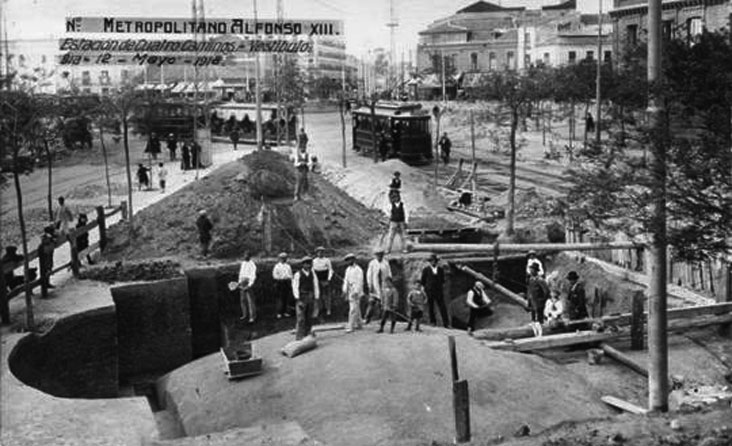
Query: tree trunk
point(129, 175)
point(512, 182)
point(106, 166)
point(29, 320)
point(49, 197)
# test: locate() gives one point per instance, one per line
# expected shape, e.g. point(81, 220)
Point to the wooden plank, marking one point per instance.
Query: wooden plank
point(623, 405)
point(624, 359)
point(504, 291)
point(554, 341)
point(512, 247)
point(461, 405)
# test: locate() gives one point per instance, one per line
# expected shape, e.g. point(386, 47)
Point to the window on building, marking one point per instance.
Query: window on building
point(527, 60)
point(632, 34)
point(105, 91)
point(104, 77)
point(492, 61)
point(546, 59)
point(572, 57)
point(694, 28)
point(667, 29)
point(85, 78)
point(510, 63)
point(43, 59)
point(608, 56)
point(474, 61)
point(590, 55)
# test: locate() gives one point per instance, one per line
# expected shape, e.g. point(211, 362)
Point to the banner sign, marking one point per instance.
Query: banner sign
point(237, 26)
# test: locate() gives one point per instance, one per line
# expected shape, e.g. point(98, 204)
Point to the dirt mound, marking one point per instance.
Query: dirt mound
point(231, 194)
point(368, 389)
point(133, 271)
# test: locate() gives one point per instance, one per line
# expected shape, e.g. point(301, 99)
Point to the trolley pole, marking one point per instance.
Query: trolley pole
point(657, 319)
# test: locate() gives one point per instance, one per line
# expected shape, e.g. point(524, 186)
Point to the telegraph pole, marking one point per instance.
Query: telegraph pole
point(444, 94)
point(195, 88)
point(257, 87)
point(657, 319)
point(598, 97)
point(393, 23)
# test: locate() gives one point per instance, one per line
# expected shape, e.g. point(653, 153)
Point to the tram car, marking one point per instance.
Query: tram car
point(226, 116)
point(404, 126)
point(166, 117)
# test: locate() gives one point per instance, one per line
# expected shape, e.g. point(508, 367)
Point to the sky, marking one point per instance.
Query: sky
point(364, 21)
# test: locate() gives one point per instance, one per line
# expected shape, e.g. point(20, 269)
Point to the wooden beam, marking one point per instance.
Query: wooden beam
point(510, 247)
point(554, 341)
point(504, 291)
point(483, 258)
point(623, 405)
point(624, 359)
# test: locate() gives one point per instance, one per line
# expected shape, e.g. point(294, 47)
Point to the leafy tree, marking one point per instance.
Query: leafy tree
point(613, 186)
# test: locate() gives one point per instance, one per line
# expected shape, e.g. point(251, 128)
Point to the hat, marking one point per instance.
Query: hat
point(349, 256)
point(11, 249)
point(433, 256)
point(319, 248)
point(306, 259)
point(282, 255)
point(479, 284)
point(534, 266)
point(531, 252)
point(202, 212)
point(572, 275)
point(379, 251)
point(397, 173)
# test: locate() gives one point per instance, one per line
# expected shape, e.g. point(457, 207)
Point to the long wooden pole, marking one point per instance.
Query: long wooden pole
point(658, 386)
point(508, 247)
point(505, 291)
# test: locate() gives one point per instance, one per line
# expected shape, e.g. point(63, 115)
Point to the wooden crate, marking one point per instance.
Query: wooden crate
point(240, 362)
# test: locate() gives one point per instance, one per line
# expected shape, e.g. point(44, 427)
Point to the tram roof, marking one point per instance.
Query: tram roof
point(406, 110)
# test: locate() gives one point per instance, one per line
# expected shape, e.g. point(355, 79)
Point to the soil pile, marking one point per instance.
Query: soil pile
point(368, 389)
point(233, 196)
point(133, 271)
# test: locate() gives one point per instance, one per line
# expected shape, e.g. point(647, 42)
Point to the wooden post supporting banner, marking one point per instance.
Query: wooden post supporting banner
point(101, 219)
point(636, 321)
point(74, 255)
point(461, 404)
point(453, 358)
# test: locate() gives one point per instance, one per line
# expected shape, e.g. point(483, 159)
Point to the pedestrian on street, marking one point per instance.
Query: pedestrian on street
point(383, 146)
point(45, 257)
point(302, 164)
point(416, 301)
point(172, 143)
point(234, 136)
point(247, 276)
point(376, 274)
point(306, 293)
point(576, 299)
point(302, 140)
point(353, 292)
point(589, 123)
point(445, 146)
point(162, 177)
point(537, 291)
point(282, 275)
point(390, 305)
point(64, 217)
point(324, 270)
point(153, 146)
point(205, 226)
point(186, 155)
point(479, 304)
point(142, 177)
point(397, 222)
point(433, 282)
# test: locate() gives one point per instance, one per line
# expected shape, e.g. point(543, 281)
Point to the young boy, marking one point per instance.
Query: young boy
point(416, 300)
point(162, 177)
point(396, 182)
point(390, 302)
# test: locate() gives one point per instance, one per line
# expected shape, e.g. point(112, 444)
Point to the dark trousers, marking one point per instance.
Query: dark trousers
point(283, 291)
point(475, 313)
point(304, 308)
point(435, 297)
point(537, 311)
point(390, 315)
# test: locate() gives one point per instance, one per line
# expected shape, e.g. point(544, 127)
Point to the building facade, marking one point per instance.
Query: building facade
point(683, 19)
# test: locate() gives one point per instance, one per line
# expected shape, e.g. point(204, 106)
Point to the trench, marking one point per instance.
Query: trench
point(155, 327)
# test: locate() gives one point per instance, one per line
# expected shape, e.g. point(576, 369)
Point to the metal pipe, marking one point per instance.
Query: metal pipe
point(505, 247)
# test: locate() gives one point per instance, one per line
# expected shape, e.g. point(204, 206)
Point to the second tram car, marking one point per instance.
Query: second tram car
point(229, 115)
point(166, 117)
point(404, 129)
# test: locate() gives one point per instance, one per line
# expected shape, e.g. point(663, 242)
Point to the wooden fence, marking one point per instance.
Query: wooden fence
point(74, 263)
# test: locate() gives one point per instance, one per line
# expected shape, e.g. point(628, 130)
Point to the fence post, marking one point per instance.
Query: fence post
point(460, 397)
point(636, 321)
point(74, 254)
point(725, 294)
point(101, 220)
point(4, 301)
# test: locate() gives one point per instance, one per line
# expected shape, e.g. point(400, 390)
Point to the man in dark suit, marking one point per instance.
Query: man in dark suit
point(433, 281)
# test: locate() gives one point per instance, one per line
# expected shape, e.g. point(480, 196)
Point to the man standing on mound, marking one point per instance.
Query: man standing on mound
point(302, 165)
point(307, 295)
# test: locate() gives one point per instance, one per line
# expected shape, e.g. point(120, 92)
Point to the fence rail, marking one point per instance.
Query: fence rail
point(74, 263)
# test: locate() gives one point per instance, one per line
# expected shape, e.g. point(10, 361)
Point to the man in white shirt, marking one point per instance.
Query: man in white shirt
point(553, 310)
point(376, 275)
point(397, 221)
point(63, 218)
point(353, 291)
point(306, 293)
point(302, 165)
point(282, 275)
point(324, 270)
point(162, 177)
point(247, 276)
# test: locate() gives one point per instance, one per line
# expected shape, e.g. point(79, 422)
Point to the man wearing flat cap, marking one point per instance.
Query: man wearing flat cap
point(353, 292)
point(576, 300)
point(324, 270)
point(282, 275)
point(537, 290)
point(433, 281)
point(306, 292)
